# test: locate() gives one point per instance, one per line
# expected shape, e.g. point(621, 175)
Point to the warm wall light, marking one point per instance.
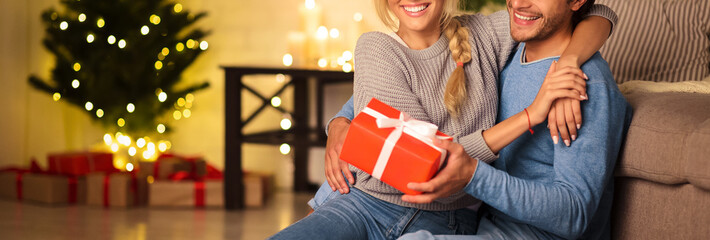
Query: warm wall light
point(287, 60)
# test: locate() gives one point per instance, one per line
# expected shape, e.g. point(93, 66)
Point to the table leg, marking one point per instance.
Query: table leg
point(233, 180)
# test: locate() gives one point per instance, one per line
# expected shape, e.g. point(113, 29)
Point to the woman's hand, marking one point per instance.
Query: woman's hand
point(334, 167)
point(566, 82)
point(565, 116)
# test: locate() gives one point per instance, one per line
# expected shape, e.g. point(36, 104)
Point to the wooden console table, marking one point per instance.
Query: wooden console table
point(300, 136)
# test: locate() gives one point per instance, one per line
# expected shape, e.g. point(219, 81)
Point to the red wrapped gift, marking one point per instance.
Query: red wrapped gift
point(80, 163)
point(390, 146)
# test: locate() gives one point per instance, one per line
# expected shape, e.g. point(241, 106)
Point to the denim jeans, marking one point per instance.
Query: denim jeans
point(490, 227)
point(324, 194)
point(357, 215)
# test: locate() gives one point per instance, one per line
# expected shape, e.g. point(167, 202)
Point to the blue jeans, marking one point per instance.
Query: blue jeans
point(324, 194)
point(490, 227)
point(357, 215)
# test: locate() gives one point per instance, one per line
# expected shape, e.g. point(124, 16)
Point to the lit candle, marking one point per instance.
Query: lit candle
point(297, 47)
point(311, 17)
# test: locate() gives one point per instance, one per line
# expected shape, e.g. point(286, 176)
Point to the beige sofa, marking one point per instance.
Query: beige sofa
point(662, 179)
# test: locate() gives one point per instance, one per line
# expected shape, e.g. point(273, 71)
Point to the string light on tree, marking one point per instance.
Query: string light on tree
point(56, 96)
point(114, 147)
point(179, 47)
point(190, 43)
point(90, 38)
point(165, 51)
point(100, 23)
point(154, 19)
point(140, 142)
point(162, 96)
point(145, 30)
point(181, 102)
point(121, 44)
point(75, 83)
point(130, 107)
point(177, 115)
point(111, 39)
point(63, 25)
point(158, 65)
point(204, 45)
point(89, 106)
point(160, 128)
point(177, 8)
point(129, 166)
point(82, 17)
point(189, 97)
point(99, 113)
point(107, 139)
point(132, 151)
point(162, 146)
point(76, 67)
point(121, 122)
point(186, 113)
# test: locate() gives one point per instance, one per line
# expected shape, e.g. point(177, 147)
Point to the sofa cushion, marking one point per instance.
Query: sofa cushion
point(669, 139)
point(648, 211)
point(659, 40)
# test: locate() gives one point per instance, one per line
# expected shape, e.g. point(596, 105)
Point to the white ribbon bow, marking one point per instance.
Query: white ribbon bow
point(423, 131)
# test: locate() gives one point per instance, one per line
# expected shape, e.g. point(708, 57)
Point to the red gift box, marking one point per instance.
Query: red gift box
point(390, 146)
point(80, 163)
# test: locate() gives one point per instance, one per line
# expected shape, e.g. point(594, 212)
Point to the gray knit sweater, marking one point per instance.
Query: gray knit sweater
point(413, 81)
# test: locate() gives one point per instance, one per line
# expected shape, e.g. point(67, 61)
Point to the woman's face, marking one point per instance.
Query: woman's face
point(417, 15)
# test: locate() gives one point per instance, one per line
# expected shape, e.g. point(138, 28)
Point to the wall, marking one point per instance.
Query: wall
point(244, 32)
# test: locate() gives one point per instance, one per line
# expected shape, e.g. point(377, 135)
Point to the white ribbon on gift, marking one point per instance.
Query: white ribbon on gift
point(423, 131)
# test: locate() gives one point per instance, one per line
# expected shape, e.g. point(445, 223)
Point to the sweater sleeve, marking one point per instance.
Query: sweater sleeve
point(346, 111)
point(381, 73)
point(565, 206)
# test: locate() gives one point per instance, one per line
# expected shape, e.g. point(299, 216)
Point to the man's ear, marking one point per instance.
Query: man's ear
point(575, 5)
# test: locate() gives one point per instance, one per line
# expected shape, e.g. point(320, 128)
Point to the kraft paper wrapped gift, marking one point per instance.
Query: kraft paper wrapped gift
point(163, 167)
point(53, 189)
point(115, 190)
point(390, 146)
point(186, 193)
point(10, 183)
point(257, 189)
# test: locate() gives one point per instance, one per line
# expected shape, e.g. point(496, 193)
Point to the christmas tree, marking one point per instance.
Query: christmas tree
point(121, 61)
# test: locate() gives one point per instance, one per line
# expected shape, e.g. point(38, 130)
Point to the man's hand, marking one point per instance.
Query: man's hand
point(334, 167)
point(452, 178)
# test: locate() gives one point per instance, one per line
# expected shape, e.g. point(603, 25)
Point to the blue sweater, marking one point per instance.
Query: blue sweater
point(563, 192)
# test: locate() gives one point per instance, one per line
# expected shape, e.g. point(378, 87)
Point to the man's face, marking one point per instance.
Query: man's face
point(538, 19)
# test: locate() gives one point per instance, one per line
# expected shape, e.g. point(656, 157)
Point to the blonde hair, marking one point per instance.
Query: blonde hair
point(455, 93)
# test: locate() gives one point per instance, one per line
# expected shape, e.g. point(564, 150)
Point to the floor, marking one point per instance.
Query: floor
point(30, 221)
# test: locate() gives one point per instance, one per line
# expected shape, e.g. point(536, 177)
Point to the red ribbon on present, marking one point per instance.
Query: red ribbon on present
point(107, 185)
point(73, 182)
point(200, 193)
